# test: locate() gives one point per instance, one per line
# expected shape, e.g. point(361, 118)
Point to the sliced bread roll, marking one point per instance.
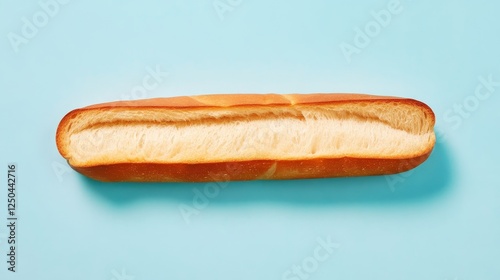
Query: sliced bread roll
point(247, 137)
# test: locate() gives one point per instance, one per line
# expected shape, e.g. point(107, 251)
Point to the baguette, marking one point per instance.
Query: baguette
point(246, 137)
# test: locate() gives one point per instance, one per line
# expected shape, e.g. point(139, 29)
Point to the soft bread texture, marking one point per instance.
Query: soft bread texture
point(246, 137)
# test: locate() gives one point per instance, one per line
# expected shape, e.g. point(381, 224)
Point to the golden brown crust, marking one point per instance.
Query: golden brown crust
point(249, 170)
point(231, 100)
point(243, 170)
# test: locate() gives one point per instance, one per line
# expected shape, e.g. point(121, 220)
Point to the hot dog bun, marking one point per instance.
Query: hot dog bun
point(246, 137)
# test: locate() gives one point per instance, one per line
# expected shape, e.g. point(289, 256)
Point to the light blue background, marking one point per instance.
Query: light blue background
point(441, 221)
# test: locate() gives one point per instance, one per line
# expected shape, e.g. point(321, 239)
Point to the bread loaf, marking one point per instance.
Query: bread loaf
point(246, 137)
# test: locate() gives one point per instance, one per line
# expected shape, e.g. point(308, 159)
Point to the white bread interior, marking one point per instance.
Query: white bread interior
point(362, 129)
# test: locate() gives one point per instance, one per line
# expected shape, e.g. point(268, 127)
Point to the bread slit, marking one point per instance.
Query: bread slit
point(254, 133)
